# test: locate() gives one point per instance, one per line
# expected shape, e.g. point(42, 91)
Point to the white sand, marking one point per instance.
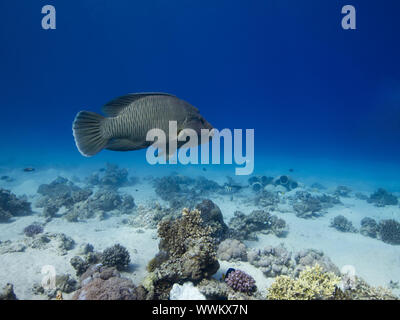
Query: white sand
point(374, 260)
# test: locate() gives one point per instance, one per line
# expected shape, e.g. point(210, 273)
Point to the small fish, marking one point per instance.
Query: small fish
point(128, 120)
point(291, 170)
point(4, 177)
point(204, 169)
point(29, 169)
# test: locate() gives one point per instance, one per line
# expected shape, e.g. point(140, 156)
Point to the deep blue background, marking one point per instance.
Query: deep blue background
point(283, 67)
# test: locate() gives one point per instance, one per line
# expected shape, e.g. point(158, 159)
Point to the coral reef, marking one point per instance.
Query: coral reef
point(107, 200)
point(369, 227)
point(383, 198)
point(341, 223)
point(267, 199)
point(214, 290)
point(272, 261)
point(9, 246)
point(311, 257)
point(317, 186)
point(111, 177)
point(79, 264)
point(245, 227)
point(240, 281)
point(60, 193)
point(149, 216)
point(185, 292)
point(189, 253)
point(49, 210)
point(79, 202)
point(116, 256)
point(12, 206)
point(219, 290)
point(64, 283)
point(102, 283)
point(103, 201)
point(212, 216)
point(389, 231)
point(342, 191)
point(230, 187)
point(7, 293)
point(181, 191)
point(57, 241)
point(360, 196)
point(232, 250)
point(276, 261)
point(33, 229)
point(307, 205)
point(312, 284)
point(361, 290)
point(86, 248)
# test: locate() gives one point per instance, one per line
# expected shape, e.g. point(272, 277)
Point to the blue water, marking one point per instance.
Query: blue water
point(322, 100)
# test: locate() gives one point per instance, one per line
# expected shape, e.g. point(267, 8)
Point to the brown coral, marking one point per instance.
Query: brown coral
point(189, 252)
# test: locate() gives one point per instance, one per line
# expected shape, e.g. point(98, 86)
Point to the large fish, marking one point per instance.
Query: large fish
point(128, 120)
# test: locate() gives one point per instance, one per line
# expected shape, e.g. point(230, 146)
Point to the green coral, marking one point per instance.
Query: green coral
point(312, 284)
point(148, 281)
point(363, 291)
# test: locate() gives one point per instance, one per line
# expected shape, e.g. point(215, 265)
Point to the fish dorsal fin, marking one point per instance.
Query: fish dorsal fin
point(114, 107)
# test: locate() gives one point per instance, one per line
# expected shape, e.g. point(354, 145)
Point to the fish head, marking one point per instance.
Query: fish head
point(197, 122)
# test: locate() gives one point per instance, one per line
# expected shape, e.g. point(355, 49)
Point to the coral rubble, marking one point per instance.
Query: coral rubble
point(245, 227)
point(212, 216)
point(181, 191)
point(232, 250)
point(307, 205)
point(7, 293)
point(383, 198)
point(12, 206)
point(389, 231)
point(272, 261)
point(341, 223)
point(105, 283)
point(116, 256)
point(342, 191)
point(33, 229)
point(369, 227)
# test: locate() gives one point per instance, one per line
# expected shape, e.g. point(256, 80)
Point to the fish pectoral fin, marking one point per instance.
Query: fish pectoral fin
point(122, 144)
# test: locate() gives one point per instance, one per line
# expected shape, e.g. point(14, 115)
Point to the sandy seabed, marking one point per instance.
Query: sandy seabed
point(375, 261)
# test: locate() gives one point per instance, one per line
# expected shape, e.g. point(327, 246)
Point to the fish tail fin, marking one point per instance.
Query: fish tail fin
point(87, 132)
